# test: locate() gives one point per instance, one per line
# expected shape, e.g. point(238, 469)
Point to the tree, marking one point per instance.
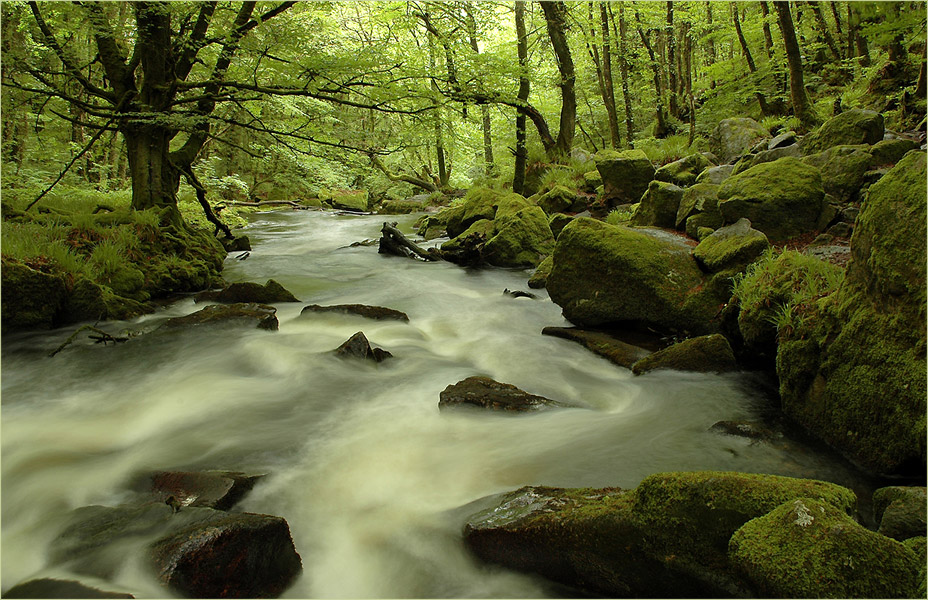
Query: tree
point(761, 100)
point(556, 23)
point(802, 108)
point(521, 154)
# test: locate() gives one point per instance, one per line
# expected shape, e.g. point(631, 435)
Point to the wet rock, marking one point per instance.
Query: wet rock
point(705, 354)
point(357, 346)
point(249, 292)
point(539, 278)
point(602, 344)
point(213, 489)
point(806, 548)
point(659, 205)
point(783, 198)
point(625, 175)
point(378, 313)
point(59, 588)
point(237, 244)
point(228, 556)
point(32, 299)
point(482, 203)
point(733, 137)
point(484, 392)
point(261, 316)
point(747, 429)
point(732, 247)
point(900, 511)
point(519, 294)
point(683, 172)
point(854, 126)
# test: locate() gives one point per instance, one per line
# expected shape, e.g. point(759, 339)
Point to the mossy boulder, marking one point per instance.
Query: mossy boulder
point(733, 137)
point(701, 225)
point(732, 247)
point(705, 354)
point(483, 227)
point(558, 200)
point(807, 548)
point(248, 291)
point(351, 200)
point(843, 169)
point(31, 298)
point(659, 205)
point(783, 198)
point(858, 380)
point(607, 274)
point(481, 203)
point(698, 198)
point(522, 239)
point(855, 126)
point(539, 278)
point(683, 172)
point(602, 344)
point(764, 156)
point(715, 175)
point(900, 511)
point(889, 152)
point(261, 316)
point(557, 222)
point(625, 175)
point(591, 181)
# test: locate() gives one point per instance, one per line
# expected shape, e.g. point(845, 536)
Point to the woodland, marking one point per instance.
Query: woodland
point(722, 202)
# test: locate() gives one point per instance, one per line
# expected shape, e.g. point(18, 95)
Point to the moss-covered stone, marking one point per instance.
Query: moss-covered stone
point(261, 316)
point(853, 126)
point(592, 180)
point(522, 239)
point(557, 200)
point(31, 298)
point(889, 152)
point(353, 200)
point(698, 198)
point(808, 548)
point(539, 278)
point(702, 225)
point(733, 137)
point(683, 172)
point(606, 274)
point(715, 175)
point(732, 247)
point(659, 205)
point(900, 511)
point(781, 198)
point(602, 344)
point(482, 203)
point(764, 156)
point(249, 291)
point(399, 207)
point(557, 222)
point(843, 170)
point(625, 175)
point(708, 354)
point(483, 227)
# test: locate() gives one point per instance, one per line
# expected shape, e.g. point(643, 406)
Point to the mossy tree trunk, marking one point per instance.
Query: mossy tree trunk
point(556, 22)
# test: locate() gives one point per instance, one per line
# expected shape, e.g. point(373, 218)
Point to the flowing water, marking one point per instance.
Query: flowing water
point(358, 458)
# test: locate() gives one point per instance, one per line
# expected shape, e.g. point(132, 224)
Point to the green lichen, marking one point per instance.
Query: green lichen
point(807, 548)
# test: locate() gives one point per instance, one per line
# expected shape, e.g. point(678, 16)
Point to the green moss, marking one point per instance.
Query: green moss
point(625, 175)
point(709, 353)
point(850, 127)
point(399, 207)
point(354, 200)
point(484, 227)
point(540, 277)
point(557, 222)
point(683, 172)
point(558, 200)
point(735, 246)
point(522, 239)
point(698, 198)
point(659, 205)
point(843, 170)
point(807, 548)
point(889, 152)
point(702, 225)
point(781, 198)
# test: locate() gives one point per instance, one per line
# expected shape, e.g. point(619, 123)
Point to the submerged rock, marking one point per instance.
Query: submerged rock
point(59, 588)
point(378, 313)
point(601, 343)
point(484, 392)
point(357, 346)
point(247, 291)
point(213, 489)
point(705, 354)
point(261, 316)
point(806, 548)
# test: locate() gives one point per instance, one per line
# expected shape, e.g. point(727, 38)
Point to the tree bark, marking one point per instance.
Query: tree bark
point(671, 62)
point(623, 67)
point(660, 130)
point(761, 100)
point(484, 110)
point(823, 28)
point(556, 22)
point(419, 182)
point(802, 108)
point(768, 38)
point(518, 178)
point(710, 41)
point(609, 88)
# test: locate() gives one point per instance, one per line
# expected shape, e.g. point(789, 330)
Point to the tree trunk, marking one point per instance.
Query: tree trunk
point(837, 17)
point(623, 66)
point(863, 51)
point(672, 62)
point(801, 105)
point(556, 21)
point(710, 41)
point(768, 38)
point(154, 178)
point(609, 88)
point(660, 129)
point(484, 110)
point(823, 28)
point(518, 177)
point(761, 100)
point(436, 121)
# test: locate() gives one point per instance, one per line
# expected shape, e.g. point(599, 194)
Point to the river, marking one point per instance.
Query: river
point(357, 457)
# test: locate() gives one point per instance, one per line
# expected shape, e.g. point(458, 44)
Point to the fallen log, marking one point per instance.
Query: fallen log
point(394, 242)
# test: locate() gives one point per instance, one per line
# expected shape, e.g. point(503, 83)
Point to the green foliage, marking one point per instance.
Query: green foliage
point(621, 216)
point(776, 125)
point(669, 149)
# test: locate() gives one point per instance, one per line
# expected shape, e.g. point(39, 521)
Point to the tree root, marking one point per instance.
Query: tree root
point(101, 337)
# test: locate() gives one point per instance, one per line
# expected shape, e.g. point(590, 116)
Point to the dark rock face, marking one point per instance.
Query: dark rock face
point(900, 511)
point(21, 310)
point(239, 244)
point(357, 346)
point(59, 588)
point(259, 315)
point(708, 354)
point(379, 313)
point(601, 343)
point(248, 291)
point(212, 489)
point(484, 392)
point(233, 556)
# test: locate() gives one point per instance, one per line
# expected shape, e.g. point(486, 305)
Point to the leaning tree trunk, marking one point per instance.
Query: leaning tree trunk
point(556, 21)
point(802, 108)
point(608, 86)
point(761, 100)
point(671, 62)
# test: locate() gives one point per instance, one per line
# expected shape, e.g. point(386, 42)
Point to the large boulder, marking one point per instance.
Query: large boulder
point(889, 152)
point(853, 126)
point(483, 392)
point(733, 137)
point(683, 172)
point(625, 175)
point(522, 239)
point(697, 199)
point(482, 203)
point(732, 247)
point(609, 274)
point(659, 205)
point(378, 313)
point(858, 379)
point(844, 170)
point(764, 156)
point(783, 198)
point(249, 291)
point(807, 548)
point(900, 511)
point(705, 354)
point(350, 200)
point(715, 175)
point(559, 199)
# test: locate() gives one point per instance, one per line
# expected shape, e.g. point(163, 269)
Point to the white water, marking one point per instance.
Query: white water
point(358, 458)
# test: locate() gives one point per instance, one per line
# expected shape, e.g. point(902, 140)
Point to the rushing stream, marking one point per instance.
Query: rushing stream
point(358, 458)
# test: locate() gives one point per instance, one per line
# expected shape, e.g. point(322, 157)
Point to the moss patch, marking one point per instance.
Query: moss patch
point(709, 353)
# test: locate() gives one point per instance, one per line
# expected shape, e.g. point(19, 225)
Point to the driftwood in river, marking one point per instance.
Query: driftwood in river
point(393, 241)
